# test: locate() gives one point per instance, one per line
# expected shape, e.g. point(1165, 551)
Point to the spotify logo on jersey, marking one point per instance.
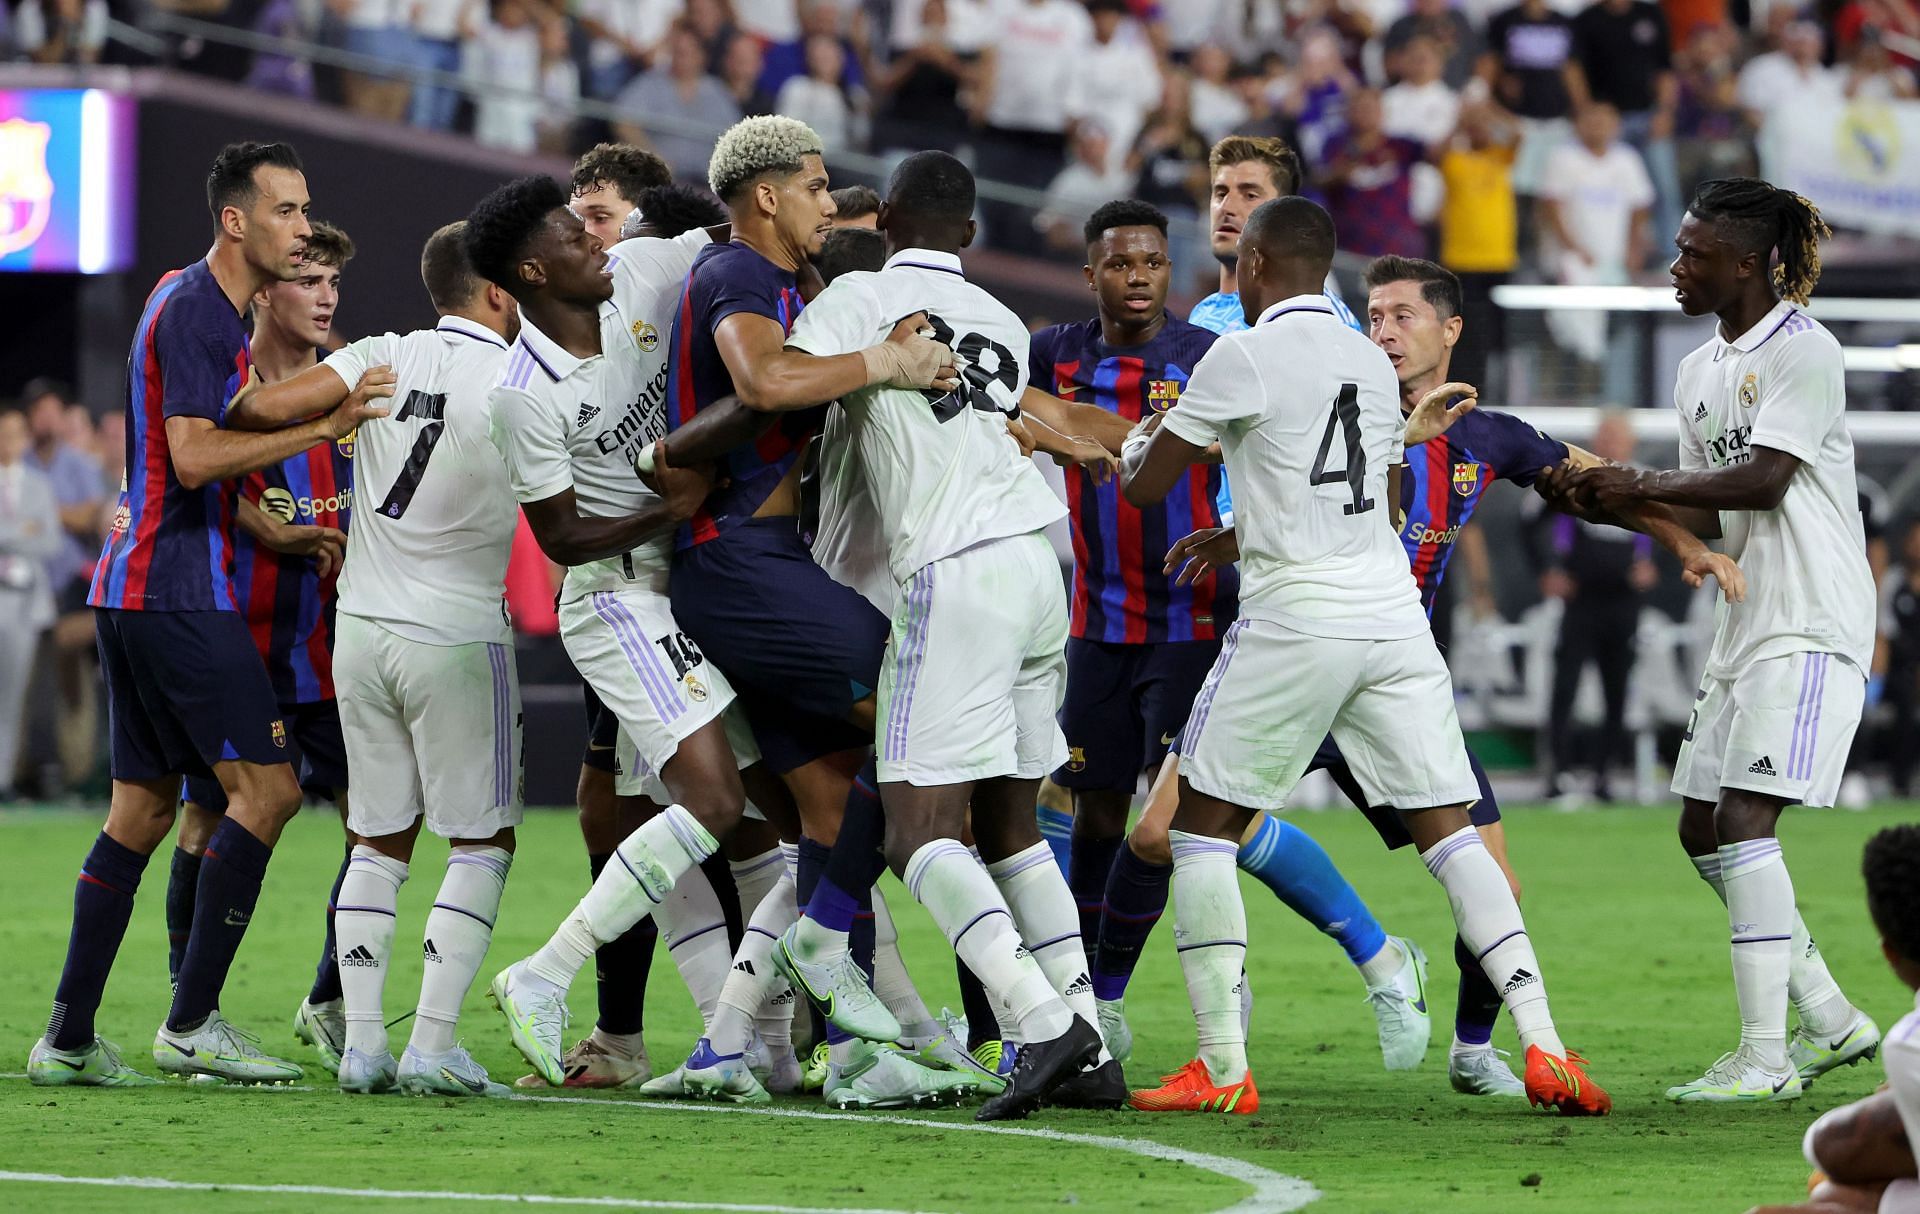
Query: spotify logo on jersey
point(279, 503)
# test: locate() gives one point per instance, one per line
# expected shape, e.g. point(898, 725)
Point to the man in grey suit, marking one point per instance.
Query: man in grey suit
point(30, 538)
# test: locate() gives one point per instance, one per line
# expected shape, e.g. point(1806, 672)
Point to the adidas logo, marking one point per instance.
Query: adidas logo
point(1082, 985)
point(359, 956)
point(587, 414)
point(431, 953)
point(1520, 978)
point(783, 999)
point(1762, 766)
point(744, 966)
point(1700, 412)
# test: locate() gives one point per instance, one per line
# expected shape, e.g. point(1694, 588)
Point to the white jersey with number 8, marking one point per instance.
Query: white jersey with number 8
point(1307, 413)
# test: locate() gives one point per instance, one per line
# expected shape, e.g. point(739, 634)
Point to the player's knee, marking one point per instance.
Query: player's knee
point(1149, 842)
point(1099, 815)
point(1741, 816)
point(1698, 836)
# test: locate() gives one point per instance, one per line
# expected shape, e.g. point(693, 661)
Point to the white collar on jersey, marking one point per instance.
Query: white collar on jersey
point(1769, 324)
point(1298, 303)
point(470, 328)
point(926, 259)
point(556, 362)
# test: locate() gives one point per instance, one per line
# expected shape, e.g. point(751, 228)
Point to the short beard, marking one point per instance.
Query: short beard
point(1230, 261)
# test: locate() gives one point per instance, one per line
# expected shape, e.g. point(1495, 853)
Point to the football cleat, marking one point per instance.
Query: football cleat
point(1103, 1087)
point(1039, 1068)
point(882, 1077)
point(783, 1072)
point(1562, 1083)
point(367, 1074)
point(324, 1027)
point(838, 988)
point(219, 1051)
point(1192, 1090)
point(453, 1073)
point(1812, 1057)
point(943, 1053)
point(96, 1066)
point(723, 1077)
point(536, 1012)
point(813, 1072)
point(1114, 1029)
point(1482, 1071)
point(1737, 1078)
point(1400, 1008)
point(589, 1064)
point(670, 1086)
point(996, 1056)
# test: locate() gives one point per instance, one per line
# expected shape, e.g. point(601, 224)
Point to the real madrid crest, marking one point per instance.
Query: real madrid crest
point(695, 690)
point(1466, 478)
point(1749, 391)
point(646, 336)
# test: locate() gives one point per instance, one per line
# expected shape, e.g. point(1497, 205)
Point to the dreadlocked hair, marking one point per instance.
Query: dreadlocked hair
point(1764, 217)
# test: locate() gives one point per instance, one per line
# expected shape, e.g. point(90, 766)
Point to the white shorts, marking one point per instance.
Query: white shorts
point(1901, 1197)
point(976, 668)
point(648, 674)
point(633, 777)
point(1275, 694)
point(430, 729)
point(1783, 727)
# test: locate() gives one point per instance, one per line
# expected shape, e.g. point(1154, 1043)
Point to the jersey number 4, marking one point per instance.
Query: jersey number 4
point(418, 404)
point(975, 377)
point(1346, 419)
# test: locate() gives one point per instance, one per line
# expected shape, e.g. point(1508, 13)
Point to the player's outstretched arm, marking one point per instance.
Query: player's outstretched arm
point(1108, 429)
point(569, 538)
point(326, 545)
point(722, 427)
point(1200, 553)
point(1432, 416)
point(1681, 530)
point(318, 389)
point(204, 453)
point(1069, 450)
point(1757, 484)
point(771, 377)
point(1153, 460)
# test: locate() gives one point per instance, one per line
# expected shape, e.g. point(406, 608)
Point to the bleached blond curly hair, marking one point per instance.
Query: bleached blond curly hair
point(754, 147)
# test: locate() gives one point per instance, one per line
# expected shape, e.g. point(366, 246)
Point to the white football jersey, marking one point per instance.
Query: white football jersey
point(944, 473)
point(1782, 385)
point(848, 541)
point(582, 424)
point(1307, 413)
point(1901, 1054)
point(428, 556)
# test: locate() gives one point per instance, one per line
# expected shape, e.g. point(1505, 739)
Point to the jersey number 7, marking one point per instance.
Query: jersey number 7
point(418, 404)
point(1346, 417)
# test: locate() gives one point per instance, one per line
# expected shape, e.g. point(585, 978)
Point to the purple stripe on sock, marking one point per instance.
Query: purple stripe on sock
point(1013, 866)
point(916, 872)
point(1446, 851)
point(1073, 936)
point(1187, 948)
point(631, 872)
point(1482, 956)
point(369, 910)
point(763, 931)
point(461, 910)
point(990, 911)
point(1758, 939)
point(696, 935)
point(684, 834)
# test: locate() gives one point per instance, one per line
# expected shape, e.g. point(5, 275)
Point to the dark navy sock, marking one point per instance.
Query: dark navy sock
point(621, 966)
point(1090, 863)
point(102, 905)
point(720, 873)
point(183, 882)
point(230, 876)
point(983, 1024)
point(845, 890)
point(809, 865)
point(1479, 1003)
point(1136, 898)
point(326, 975)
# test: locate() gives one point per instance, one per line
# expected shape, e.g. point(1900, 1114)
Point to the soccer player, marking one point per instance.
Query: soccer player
point(291, 522)
point(187, 689)
point(608, 181)
point(1331, 638)
point(976, 663)
point(856, 206)
point(429, 697)
point(1765, 462)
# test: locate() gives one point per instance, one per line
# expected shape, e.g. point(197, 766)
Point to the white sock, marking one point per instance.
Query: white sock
point(1210, 923)
point(963, 900)
point(755, 878)
point(752, 983)
point(1379, 969)
point(1760, 913)
point(1824, 1009)
point(891, 982)
point(1049, 922)
point(632, 886)
point(694, 928)
point(363, 921)
point(1489, 921)
point(459, 928)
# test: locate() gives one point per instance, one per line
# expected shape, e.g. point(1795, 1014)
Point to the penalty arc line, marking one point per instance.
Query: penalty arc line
point(317, 1190)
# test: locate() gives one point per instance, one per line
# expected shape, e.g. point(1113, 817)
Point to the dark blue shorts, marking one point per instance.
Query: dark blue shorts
point(603, 734)
point(185, 690)
point(1385, 819)
point(1125, 707)
point(799, 648)
point(317, 750)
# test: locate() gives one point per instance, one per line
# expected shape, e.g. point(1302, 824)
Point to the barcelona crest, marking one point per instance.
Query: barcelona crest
point(26, 188)
point(1466, 478)
point(1162, 394)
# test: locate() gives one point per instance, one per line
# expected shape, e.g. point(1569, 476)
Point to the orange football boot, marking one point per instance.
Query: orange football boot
point(1562, 1083)
point(1191, 1090)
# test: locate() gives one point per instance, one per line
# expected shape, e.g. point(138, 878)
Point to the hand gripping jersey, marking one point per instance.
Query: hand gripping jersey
point(1307, 412)
point(944, 472)
point(428, 557)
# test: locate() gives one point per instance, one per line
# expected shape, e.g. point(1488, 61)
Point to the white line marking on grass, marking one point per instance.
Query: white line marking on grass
point(316, 1190)
point(1273, 1192)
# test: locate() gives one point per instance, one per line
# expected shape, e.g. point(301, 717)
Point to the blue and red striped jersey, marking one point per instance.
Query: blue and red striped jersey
point(725, 279)
point(1445, 477)
point(1120, 594)
point(288, 606)
point(169, 549)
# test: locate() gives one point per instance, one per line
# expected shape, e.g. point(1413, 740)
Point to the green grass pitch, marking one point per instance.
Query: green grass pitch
point(1634, 949)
